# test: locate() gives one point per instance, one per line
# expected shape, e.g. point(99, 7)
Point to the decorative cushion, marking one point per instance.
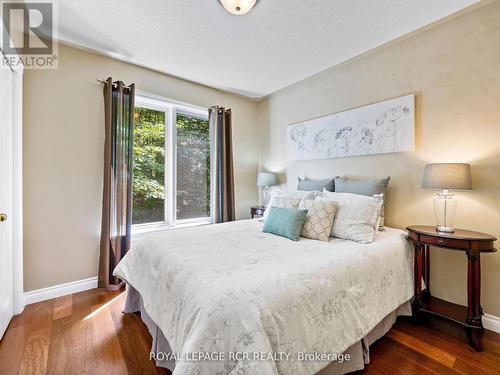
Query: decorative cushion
point(286, 199)
point(315, 185)
point(356, 215)
point(368, 187)
point(319, 219)
point(285, 222)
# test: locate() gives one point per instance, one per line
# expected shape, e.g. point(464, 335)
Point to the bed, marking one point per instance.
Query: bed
point(229, 299)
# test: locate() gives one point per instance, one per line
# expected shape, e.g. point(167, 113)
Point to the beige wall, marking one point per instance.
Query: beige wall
point(63, 148)
point(454, 69)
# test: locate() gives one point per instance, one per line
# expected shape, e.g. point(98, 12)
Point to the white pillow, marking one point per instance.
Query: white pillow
point(356, 216)
point(380, 225)
point(285, 199)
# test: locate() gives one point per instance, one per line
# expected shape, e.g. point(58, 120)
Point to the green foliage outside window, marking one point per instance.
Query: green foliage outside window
point(193, 167)
point(149, 166)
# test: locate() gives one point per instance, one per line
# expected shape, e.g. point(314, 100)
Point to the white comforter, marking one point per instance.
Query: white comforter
point(231, 288)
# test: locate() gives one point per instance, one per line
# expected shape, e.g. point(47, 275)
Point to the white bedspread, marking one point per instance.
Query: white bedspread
point(231, 288)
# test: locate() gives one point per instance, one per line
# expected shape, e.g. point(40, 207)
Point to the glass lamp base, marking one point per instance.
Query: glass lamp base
point(266, 194)
point(445, 206)
point(445, 229)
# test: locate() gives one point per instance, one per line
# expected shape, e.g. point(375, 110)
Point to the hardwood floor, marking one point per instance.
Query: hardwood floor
point(86, 333)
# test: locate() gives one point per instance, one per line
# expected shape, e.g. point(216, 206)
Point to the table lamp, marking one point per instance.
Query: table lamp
point(446, 176)
point(265, 180)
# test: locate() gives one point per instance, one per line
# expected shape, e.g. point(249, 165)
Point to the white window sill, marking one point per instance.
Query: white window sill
point(142, 229)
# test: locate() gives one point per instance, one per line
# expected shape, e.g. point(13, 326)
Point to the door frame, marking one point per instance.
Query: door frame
point(17, 197)
point(18, 271)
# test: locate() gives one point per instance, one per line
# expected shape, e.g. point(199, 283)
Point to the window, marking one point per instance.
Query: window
point(171, 164)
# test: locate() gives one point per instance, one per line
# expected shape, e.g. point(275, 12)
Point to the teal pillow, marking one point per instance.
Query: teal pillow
point(285, 222)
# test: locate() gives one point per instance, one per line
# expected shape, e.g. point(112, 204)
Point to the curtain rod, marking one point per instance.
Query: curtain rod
point(105, 82)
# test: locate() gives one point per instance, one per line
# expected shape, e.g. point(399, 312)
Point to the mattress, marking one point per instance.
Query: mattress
point(231, 289)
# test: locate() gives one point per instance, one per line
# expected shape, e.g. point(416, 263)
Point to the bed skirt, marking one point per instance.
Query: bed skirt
point(359, 352)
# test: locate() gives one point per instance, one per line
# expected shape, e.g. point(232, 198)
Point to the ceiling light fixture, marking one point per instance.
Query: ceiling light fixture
point(238, 7)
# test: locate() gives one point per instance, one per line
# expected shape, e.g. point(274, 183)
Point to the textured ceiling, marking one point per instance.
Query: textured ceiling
point(278, 43)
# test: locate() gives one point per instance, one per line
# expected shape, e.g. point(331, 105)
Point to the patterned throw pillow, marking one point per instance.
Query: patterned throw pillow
point(319, 219)
point(285, 199)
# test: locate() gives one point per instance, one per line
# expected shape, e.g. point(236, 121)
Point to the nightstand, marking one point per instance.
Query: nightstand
point(257, 211)
point(472, 244)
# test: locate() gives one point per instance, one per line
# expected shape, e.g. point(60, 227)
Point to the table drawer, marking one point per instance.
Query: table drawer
point(446, 242)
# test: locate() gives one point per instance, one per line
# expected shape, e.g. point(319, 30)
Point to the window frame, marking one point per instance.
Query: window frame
point(170, 108)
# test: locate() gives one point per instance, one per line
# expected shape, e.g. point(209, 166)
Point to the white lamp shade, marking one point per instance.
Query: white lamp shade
point(266, 179)
point(238, 7)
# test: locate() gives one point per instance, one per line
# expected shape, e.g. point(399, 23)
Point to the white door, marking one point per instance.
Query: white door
point(6, 197)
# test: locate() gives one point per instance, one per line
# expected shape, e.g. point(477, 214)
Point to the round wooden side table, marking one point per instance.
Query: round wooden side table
point(472, 244)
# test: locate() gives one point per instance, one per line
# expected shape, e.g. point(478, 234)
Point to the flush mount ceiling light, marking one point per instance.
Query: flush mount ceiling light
point(238, 7)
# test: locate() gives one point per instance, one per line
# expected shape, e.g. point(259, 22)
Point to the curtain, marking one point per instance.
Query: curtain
point(116, 222)
point(222, 175)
